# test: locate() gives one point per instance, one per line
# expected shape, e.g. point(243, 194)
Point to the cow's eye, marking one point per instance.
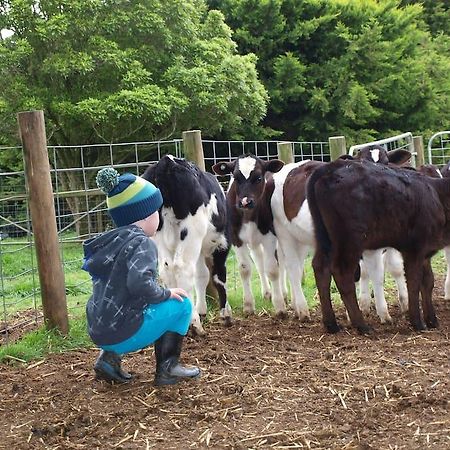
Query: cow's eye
point(258, 179)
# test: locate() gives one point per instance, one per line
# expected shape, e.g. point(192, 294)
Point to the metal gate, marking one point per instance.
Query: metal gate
point(439, 148)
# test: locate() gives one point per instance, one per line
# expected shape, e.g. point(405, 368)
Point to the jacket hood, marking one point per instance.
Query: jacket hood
point(100, 253)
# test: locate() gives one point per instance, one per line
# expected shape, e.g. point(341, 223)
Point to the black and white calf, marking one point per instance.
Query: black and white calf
point(193, 230)
point(445, 172)
point(251, 225)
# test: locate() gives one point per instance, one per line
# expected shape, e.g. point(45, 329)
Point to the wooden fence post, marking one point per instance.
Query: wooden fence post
point(43, 218)
point(193, 148)
point(418, 148)
point(285, 152)
point(338, 147)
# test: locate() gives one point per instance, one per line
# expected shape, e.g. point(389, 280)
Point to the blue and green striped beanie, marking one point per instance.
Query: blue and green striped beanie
point(129, 198)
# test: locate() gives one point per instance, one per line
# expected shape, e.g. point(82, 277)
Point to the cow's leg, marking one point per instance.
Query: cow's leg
point(447, 278)
point(426, 291)
point(393, 262)
point(364, 287)
point(201, 283)
point(295, 255)
point(184, 267)
point(343, 268)
point(322, 275)
point(375, 269)
point(282, 267)
point(273, 272)
point(165, 264)
point(258, 257)
point(245, 270)
point(413, 271)
point(219, 272)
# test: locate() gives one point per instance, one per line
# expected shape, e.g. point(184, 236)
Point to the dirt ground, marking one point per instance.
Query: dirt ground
point(266, 384)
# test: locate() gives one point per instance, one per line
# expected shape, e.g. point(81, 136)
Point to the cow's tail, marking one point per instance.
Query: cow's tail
point(320, 231)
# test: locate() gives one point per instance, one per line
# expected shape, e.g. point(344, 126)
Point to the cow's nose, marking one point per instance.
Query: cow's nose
point(246, 203)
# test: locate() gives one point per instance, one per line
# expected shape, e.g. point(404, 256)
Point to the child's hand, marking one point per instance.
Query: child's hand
point(178, 294)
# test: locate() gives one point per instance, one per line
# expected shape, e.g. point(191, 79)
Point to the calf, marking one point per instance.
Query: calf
point(294, 228)
point(251, 224)
point(445, 172)
point(390, 260)
point(192, 229)
point(364, 206)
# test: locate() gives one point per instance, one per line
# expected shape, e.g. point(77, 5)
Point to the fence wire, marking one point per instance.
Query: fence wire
point(81, 213)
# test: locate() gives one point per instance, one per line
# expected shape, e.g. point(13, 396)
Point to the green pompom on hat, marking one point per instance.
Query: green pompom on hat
point(129, 198)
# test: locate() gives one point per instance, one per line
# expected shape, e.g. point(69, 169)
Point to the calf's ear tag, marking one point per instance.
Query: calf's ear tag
point(223, 167)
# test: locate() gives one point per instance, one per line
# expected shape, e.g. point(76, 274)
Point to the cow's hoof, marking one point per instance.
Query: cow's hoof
point(198, 331)
point(227, 321)
point(386, 320)
point(249, 312)
point(202, 317)
point(432, 323)
point(303, 317)
point(332, 327)
point(282, 315)
point(365, 330)
point(419, 326)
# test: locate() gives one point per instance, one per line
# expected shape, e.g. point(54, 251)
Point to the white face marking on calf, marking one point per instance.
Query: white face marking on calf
point(246, 165)
point(375, 153)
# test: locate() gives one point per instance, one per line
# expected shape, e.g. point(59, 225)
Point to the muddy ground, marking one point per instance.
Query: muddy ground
point(266, 384)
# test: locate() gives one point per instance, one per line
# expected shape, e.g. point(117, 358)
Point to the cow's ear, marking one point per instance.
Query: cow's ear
point(223, 168)
point(149, 173)
point(274, 165)
point(399, 156)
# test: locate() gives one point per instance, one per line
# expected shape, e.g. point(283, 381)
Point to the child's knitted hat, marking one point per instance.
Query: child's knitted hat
point(129, 198)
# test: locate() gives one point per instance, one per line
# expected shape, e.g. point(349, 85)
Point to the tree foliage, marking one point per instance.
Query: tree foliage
point(436, 14)
point(363, 69)
point(116, 70)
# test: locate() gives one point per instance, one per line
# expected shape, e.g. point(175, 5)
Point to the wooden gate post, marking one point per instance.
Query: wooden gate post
point(43, 219)
point(338, 147)
point(193, 148)
point(285, 152)
point(418, 148)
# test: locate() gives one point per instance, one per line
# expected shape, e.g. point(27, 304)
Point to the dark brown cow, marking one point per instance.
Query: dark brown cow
point(294, 228)
point(359, 206)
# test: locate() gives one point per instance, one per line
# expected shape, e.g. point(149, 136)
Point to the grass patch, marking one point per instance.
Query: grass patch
point(38, 343)
point(21, 291)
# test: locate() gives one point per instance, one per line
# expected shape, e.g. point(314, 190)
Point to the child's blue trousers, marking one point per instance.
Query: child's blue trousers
point(170, 315)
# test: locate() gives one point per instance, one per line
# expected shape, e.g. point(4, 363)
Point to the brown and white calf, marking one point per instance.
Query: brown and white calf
point(363, 206)
point(251, 225)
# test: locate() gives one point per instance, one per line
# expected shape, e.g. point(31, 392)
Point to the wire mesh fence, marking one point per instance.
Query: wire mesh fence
point(81, 213)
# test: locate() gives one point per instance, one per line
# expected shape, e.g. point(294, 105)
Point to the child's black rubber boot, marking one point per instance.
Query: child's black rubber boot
point(168, 368)
point(108, 368)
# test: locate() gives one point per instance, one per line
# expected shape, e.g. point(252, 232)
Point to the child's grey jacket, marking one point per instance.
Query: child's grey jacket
point(123, 264)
